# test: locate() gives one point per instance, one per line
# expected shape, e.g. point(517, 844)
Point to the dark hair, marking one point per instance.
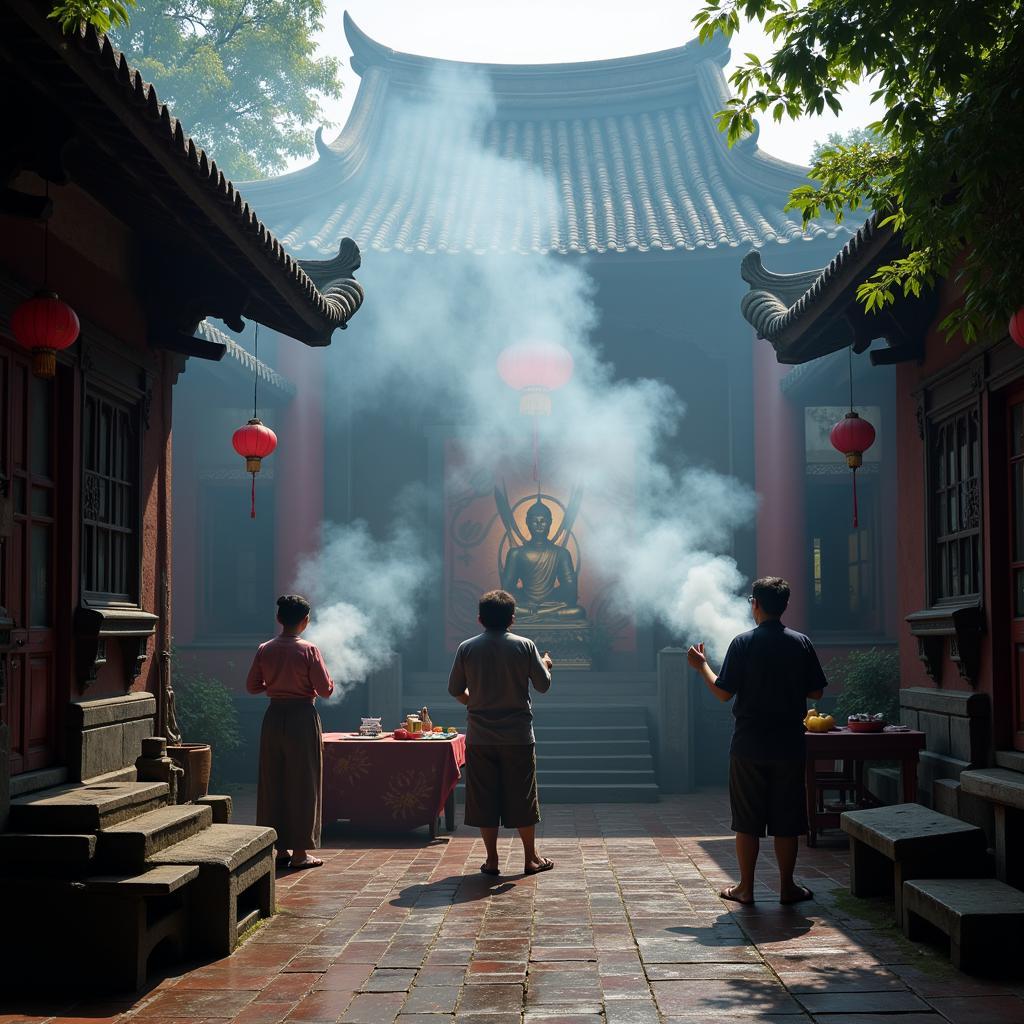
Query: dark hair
point(291, 609)
point(772, 594)
point(497, 609)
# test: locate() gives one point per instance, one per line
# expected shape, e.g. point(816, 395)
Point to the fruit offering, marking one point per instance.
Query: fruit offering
point(816, 722)
point(437, 728)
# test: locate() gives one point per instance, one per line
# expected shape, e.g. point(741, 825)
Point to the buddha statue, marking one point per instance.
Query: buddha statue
point(540, 573)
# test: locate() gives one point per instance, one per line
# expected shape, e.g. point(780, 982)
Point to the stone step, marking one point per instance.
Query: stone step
point(129, 845)
point(983, 918)
point(615, 762)
point(158, 881)
point(596, 775)
point(84, 807)
point(600, 794)
point(1000, 785)
point(553, 733)
point(1011, 759)
point(594, 748)
point(43, 853)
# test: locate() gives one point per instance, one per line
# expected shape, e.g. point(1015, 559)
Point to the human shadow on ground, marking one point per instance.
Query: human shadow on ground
point(453, 890)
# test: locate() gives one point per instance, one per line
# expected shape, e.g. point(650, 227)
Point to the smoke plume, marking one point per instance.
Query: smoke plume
point(438, 324)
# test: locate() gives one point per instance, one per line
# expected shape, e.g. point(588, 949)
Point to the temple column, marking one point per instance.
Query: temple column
point(779, 475)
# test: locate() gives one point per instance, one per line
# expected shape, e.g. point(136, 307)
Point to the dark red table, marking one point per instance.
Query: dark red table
point(389, 783)
point(853, 749)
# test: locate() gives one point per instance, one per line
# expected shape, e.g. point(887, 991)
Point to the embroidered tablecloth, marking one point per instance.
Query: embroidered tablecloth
point(389, 783)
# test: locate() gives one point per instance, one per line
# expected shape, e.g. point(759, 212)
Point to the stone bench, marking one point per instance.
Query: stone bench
point(983, 917)
point(235, 886)
point(889, 845)
point(1004, 789)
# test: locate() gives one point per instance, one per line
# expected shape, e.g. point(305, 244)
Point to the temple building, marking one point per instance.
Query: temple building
point(612, 167)
point(958, 447)
point(119, 236)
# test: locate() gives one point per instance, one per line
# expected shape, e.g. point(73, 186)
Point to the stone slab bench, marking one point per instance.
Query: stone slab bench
point(983, 917)
point(84, 807)
point(1004, 789)
point(101, 931)
point(889, 845)
point(235, 883)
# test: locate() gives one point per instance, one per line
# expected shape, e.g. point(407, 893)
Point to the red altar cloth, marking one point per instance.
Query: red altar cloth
point(389, 783)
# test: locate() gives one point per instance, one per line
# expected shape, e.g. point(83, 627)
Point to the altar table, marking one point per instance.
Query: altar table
point(391, 784)
point(853, 749)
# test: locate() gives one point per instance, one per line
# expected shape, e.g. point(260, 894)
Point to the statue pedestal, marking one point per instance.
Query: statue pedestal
point(567, 643)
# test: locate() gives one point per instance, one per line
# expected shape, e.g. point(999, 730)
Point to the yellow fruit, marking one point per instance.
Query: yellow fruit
point(816, 723)
point(830, 720)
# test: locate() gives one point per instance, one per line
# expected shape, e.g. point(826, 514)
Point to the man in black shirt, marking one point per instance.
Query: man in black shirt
point(771, 671)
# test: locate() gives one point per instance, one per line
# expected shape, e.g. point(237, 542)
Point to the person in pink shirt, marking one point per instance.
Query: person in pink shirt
point(292, 673)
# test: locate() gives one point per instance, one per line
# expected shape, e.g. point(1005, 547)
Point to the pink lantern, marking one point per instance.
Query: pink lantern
point(254, 442)
point(535, 369)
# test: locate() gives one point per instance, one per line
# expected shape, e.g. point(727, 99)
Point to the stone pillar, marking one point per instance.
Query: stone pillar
point(675, 722)
point(384, 693)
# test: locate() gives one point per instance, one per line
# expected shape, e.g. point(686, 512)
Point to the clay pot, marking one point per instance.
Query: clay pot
point(195, 760)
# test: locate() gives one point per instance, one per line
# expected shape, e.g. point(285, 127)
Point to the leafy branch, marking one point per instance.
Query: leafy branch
point(944, 165)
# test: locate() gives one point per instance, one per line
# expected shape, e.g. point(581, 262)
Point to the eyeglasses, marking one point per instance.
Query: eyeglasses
point(750, 599)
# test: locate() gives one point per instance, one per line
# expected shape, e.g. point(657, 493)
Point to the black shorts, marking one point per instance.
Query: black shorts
point(501, 785)
point(767, 796)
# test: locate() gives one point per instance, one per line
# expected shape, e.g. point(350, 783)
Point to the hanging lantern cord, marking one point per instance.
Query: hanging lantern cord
point(255, 385)
point(856, 521)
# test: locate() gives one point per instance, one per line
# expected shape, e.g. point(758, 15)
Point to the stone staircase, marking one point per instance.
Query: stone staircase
point(599, 753)
point(106, 879)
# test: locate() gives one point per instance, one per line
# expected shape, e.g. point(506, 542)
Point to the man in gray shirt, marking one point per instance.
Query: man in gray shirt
point(491, 676)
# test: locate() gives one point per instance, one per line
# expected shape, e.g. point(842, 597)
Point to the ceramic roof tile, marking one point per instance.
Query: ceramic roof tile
point(605, 156)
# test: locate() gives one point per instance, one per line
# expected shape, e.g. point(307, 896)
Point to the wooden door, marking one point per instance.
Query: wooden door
point(28, 577)
point(1015, 489)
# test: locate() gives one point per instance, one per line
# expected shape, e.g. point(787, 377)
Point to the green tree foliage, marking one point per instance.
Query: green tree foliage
point(206, 712)
point(947, 167)
point(103, 15)
point(833, 140)
point(871, 683)
point(241, 75)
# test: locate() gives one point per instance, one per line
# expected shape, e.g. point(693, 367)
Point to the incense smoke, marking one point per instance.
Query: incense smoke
point(437, 325)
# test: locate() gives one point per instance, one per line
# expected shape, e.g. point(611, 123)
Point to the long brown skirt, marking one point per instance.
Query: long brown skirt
point(289, 794)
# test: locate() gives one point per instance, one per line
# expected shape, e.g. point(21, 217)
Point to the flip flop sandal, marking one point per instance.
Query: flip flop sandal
point(490, 871)
point(545, 865)
point(309, 862)
point(805, 894)
point(729, 894)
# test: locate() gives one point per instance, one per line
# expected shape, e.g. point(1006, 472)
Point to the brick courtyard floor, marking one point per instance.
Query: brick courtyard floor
point(626, 930)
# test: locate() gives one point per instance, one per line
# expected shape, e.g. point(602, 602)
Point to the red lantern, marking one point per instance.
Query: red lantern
point(44, 325)
point(254, 442)
point(1017, 327)
point(535, 368)
point(853, 436)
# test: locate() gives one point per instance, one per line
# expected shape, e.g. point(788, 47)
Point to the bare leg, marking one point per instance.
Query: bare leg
point(747, 847)
point(785, 853)
point(533, 860)
point(490, 838)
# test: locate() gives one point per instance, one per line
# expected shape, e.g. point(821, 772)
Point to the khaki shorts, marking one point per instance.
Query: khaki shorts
point(501, 785)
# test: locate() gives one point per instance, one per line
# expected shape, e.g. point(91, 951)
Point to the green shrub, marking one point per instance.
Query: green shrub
point(206, 713)
point(870, 680)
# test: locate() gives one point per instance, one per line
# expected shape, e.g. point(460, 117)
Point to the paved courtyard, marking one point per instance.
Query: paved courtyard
point(627, 930)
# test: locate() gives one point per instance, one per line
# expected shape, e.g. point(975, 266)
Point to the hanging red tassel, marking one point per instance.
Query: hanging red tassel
point(252, 505)
point(856, 522)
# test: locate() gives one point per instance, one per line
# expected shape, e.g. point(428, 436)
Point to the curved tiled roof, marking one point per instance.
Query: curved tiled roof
point(596, 157)
point(97, 89)
point(793, 311)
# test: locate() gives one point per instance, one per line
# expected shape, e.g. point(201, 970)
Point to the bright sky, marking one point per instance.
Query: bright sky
point(557, 31)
